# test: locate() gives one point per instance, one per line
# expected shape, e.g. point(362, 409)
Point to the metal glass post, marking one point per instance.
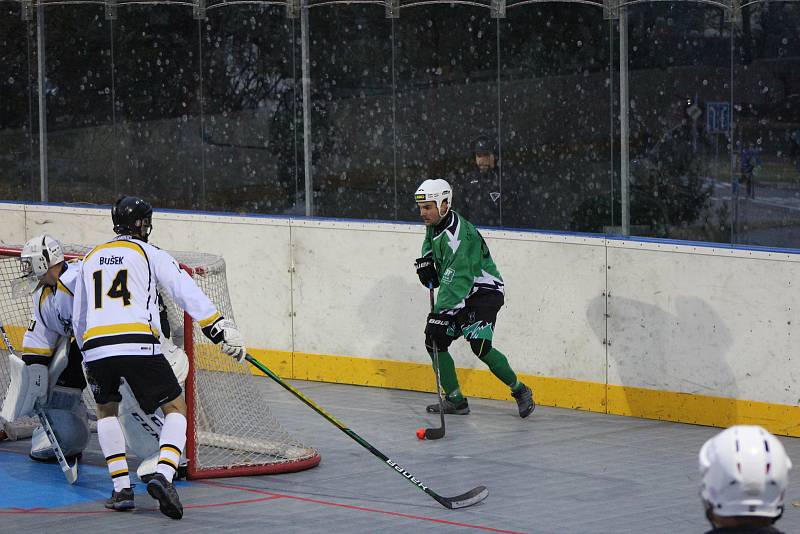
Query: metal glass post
point(40, 55)
point(306, 71)
point(624, 163)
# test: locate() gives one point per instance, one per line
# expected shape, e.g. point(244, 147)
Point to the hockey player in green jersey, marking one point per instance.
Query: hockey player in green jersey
point(456, 259)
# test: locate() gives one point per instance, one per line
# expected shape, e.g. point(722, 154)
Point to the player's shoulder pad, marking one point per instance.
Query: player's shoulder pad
point(70, 276)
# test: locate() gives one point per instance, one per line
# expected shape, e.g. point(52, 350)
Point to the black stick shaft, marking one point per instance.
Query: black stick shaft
point(469, 498)
point(436, 433)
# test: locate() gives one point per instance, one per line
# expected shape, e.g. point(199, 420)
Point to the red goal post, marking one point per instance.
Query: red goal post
point(231, 430)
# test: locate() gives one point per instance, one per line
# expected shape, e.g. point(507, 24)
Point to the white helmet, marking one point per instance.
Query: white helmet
point(745, 472)
point(39, 254)
point(437, 190)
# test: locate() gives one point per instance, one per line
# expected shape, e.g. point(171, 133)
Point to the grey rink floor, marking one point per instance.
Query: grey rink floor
point(558, 471)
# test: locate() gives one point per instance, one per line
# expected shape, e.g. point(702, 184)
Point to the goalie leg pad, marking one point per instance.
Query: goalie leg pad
point(141, 429)
point(70, 423)
point(69, 419)
point(28, 384)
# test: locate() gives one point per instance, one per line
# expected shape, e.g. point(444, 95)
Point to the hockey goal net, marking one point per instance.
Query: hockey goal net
point(231, 429)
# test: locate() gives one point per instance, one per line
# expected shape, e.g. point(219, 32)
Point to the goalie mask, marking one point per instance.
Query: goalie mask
point(132, 216)
point(745, 472)
point(437, 190)
point(36, 258)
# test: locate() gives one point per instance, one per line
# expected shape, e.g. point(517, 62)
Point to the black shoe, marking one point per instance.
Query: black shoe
point(164, 492)
point(121, 500)
point(461, 408)
point(180, 475)
point(524, 401)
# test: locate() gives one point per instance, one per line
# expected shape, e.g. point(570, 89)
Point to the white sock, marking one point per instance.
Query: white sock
point(112, 441)
point(171, 443)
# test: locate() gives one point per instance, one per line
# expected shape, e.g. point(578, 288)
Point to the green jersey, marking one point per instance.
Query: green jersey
point(467, 273)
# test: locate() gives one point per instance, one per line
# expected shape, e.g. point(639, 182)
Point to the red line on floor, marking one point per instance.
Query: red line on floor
point(42, 511)
point(352, 507)
point(230, 503)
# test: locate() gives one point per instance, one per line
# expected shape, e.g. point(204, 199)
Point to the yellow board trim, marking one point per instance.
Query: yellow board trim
point(123, 328)
point(548, 391)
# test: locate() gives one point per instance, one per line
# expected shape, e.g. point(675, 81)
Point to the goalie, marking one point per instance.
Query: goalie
point(50, 369)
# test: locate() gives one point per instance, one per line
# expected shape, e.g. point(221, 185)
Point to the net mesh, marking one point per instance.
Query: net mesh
point(232, 430)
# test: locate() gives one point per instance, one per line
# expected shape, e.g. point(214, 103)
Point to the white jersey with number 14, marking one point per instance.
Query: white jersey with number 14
point(116, 310)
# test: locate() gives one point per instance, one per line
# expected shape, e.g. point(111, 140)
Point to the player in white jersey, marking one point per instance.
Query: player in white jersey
point(49, 370)
point(116, 321)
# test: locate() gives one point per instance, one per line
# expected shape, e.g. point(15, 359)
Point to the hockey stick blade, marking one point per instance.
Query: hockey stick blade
point(473, 496)
point(461, 501)
point(434, 433)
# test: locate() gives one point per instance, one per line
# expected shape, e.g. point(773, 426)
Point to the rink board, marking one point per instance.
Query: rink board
point(672, 331)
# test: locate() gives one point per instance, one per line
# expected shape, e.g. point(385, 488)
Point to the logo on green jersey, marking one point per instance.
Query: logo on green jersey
point(448, 275)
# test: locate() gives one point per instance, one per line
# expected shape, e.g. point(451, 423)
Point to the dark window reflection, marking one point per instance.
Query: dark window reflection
point(352, 112)
point(19, 169)
point(446, 87)
point(520, 114)
point(80, 128)
point(679, 169)
point(555, 99)
point(251, 141)
point(766, 200)
point(157, 77)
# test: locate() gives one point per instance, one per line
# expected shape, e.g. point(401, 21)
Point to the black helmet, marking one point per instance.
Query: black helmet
point(132, 216)
point(483, 145)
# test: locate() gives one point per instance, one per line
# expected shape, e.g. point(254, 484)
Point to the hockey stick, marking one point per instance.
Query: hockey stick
point(469, 498)
point(70, 471)
point(436, 433)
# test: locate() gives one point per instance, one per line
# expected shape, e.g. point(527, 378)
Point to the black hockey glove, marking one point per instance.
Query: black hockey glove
point(436, 329)
point(427, 272)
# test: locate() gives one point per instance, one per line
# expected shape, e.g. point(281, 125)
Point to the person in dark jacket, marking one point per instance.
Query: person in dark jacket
point(481, 190)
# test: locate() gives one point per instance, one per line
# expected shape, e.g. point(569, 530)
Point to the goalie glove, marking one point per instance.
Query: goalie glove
point(225, 333)
point(28, 385)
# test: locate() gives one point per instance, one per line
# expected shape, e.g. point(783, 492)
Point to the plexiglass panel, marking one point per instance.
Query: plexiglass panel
point(446, 92)
point(521, 113)
point(766, 104)
point(81, 139)
point(158, 106)
point(352, 115)
point(19, 169)
point(556, 93)
point(679, 69)
point(252, 146)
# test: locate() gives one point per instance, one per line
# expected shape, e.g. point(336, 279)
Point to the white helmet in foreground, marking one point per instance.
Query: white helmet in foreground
point(38, 255)
point(745, 472)
point(437, 190)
